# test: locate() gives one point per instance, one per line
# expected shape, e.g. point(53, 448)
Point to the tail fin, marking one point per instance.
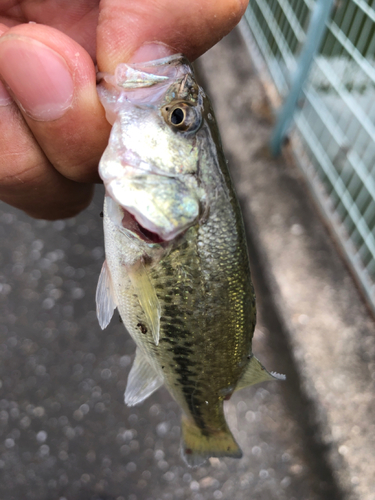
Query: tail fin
point(197, 446)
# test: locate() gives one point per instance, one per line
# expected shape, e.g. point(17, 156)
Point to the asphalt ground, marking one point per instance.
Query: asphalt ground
point(65, 431)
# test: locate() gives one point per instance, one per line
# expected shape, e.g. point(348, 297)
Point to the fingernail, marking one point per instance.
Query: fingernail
point(5, 98)
point(38, 77)
point(151, 51)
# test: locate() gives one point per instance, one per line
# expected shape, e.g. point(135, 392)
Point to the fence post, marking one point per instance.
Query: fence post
point(314, 36)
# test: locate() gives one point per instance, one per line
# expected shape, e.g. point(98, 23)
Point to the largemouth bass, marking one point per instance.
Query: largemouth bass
point(176, 263)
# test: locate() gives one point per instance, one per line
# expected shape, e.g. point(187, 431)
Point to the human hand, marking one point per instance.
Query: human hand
point(52, 126)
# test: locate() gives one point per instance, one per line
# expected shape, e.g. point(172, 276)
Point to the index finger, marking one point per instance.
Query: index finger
point(187, 26)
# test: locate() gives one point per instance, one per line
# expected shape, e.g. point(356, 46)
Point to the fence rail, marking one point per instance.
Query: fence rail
point(334, 126)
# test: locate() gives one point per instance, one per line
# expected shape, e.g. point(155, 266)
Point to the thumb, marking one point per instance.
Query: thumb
point(168, 26)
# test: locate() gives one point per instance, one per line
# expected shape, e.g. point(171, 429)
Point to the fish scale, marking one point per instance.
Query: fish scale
point(176, 264)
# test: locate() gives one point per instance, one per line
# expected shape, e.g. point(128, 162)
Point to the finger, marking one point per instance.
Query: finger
point(27, 179)
point(53, 81)
point(76, 19)
point(187, 26)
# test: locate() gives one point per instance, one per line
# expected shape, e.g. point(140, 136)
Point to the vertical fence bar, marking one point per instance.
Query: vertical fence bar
point(314, 37)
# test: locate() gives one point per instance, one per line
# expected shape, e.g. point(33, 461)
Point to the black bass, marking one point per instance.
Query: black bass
point(176, 263)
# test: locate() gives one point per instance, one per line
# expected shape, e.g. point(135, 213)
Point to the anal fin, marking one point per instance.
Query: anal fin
point(142, 380)
point(105, 303)
point(255, 373)
point(147, 297)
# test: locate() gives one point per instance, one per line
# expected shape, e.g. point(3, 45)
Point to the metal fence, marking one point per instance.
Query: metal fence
point(334, 127)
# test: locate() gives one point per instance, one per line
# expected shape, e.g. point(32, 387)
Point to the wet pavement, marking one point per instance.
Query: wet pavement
point(65, 433)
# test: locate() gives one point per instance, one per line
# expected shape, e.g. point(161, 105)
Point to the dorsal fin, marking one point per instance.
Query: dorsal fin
point(255, 373)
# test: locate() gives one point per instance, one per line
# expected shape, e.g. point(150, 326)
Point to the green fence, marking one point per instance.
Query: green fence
point(334, 127)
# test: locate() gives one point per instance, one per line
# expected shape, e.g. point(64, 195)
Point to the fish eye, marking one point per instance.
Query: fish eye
point(177, 116)
point(182, 116)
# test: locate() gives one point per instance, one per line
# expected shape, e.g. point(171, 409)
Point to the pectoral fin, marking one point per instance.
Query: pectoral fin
point(147, 297)
point(142, 380)
point(255, 373)
point(105, 303)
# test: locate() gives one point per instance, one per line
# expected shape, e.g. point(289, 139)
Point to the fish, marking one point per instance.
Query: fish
point(176, 262)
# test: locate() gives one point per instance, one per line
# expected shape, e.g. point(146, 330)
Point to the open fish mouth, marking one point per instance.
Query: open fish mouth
point(139, 226)
point(157, 208)
point(130, 223)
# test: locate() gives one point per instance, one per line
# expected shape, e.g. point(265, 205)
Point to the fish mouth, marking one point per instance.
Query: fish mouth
point(123, 219)
point(156, 208)
point(130, 223)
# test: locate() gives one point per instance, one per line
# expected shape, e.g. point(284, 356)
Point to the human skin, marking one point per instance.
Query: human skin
point(52, 125)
